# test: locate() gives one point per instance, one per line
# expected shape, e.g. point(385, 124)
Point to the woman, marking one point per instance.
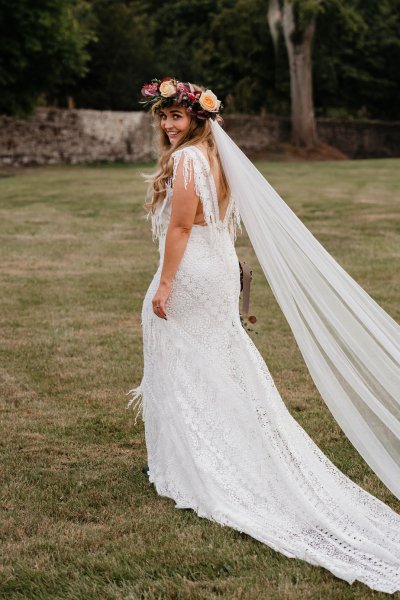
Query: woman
point(219, 437)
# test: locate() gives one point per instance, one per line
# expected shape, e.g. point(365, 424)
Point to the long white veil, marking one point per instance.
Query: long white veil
point(350, 344)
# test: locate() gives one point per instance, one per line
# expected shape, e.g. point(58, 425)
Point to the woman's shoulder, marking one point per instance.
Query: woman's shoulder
point(192, 151)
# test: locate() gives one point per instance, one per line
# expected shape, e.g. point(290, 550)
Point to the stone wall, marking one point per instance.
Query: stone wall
point(53, 136)
point(361, 139)
point(356, 139)
point(76, 136)
point(254, 133)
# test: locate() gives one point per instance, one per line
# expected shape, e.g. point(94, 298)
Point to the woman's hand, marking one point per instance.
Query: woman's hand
point(160, 299)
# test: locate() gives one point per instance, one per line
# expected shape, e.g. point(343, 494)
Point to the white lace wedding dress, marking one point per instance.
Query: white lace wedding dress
point(219, 438)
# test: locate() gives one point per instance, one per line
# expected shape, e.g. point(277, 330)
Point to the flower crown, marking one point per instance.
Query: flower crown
point(162, 93)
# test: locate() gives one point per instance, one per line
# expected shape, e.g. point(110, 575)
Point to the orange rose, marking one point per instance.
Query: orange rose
point(209, 101)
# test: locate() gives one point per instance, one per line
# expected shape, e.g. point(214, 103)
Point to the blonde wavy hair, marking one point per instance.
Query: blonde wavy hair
point(199, 131)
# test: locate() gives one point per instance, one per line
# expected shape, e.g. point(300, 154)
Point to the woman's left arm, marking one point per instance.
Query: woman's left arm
point(183, 211)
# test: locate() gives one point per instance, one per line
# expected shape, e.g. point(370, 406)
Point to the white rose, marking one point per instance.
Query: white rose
point(167, 88)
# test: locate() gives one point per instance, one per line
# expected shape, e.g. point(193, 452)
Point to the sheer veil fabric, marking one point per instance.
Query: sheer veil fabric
point(351, 346)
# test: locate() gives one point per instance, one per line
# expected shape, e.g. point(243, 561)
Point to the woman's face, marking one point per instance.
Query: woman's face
point(175, 121)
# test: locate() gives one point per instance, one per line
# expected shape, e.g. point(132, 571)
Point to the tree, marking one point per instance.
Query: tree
point(42, 47)
point(297, 20)
point(356, 55)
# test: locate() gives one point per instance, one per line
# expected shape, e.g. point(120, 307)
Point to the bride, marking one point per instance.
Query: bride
point(219, 438)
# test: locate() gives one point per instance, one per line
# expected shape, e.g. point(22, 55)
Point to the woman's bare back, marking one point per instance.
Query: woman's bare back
point(199, 217)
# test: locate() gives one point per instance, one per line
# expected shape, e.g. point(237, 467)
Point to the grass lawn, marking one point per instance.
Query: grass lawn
point(79, 519)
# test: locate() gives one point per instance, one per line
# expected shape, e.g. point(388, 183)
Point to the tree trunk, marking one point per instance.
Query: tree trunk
point(298, 45)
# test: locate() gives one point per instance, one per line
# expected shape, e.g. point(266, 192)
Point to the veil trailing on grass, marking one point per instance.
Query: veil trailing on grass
point(351, 346)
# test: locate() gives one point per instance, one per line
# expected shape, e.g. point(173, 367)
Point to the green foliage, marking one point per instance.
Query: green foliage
point(225, 45)
point(182, 33)
point(122, 56)
point(42, 47)
point(101, 52)
point(238, 58)
point(221, 43)
point(356, 58)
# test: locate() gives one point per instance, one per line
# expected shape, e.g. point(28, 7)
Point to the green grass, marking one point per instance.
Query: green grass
point(79, 519)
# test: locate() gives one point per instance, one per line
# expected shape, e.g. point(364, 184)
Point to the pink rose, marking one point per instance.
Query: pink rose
point(149, 89)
